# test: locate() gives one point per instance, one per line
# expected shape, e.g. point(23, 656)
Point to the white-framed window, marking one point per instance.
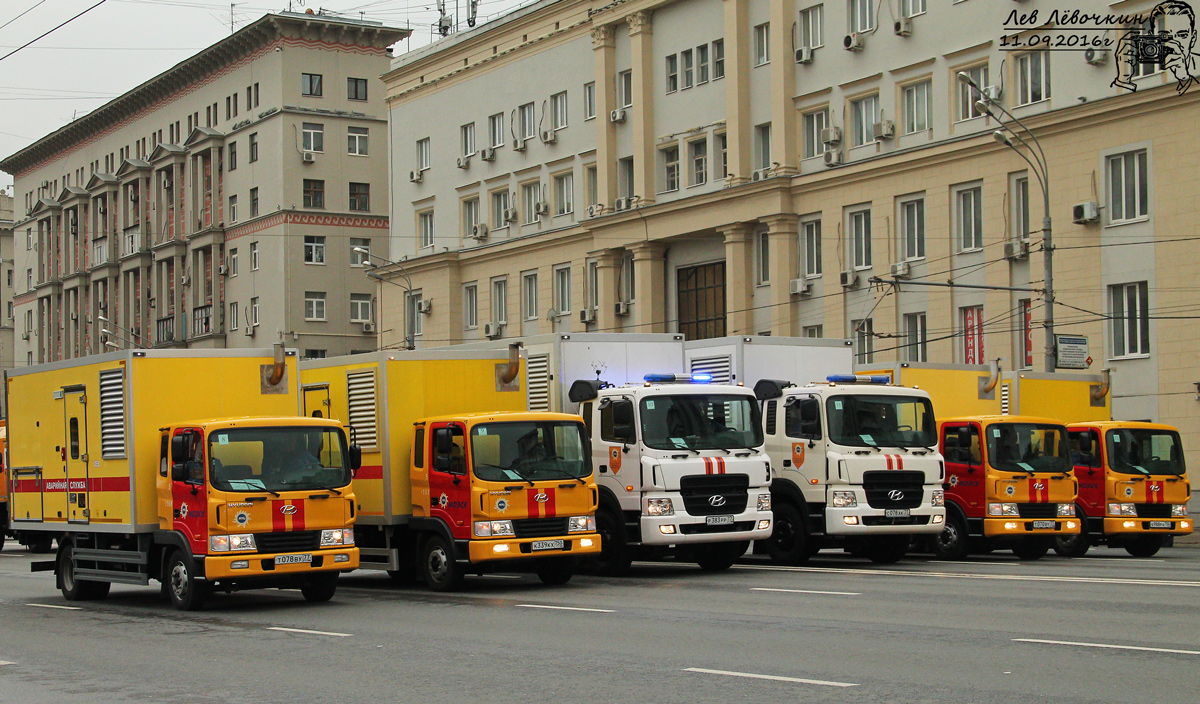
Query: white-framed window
point(912, 8)
point(698, 161)
point(558, 110)
point(564, 193)
point(589, 101)
point(916, 334)
point(1033, 77)
point(722, 154)
point(670, 162)
point(625, 89)
point(968, 96)
point(627, 286)
point(591, 185)
point(527, 119)
point(422, 154)
point(1020, 206)
point(762, 44)
point(312, 137)
point(562, 289)
point(358, 258)
point(702, 64)
point(762, 145)
point(859, 225)
point(232, 259)
point(969, 213)
point(500, 203)
point(496, 129)
point(918, 107)
point(471, 306)
point(762, 257)
point(470, 216)
point(862, 15)
point(813, 331)
point(425, 229)
point(531, 197)
point(686, 66)
point(672, 73)
point(466, 138)
point(314, 305)
point(1128, 186)
point(233, 315)
point(254, 311)
point(864, 340)
point(864, 113)
point(500, 301)
point(314, 249)
point(232, 208)
point(253, 256)
point(593, 284)
point(972, 330)
point(360, 307)
point(356, 141)
point(912, 228)
point(529, 295)
point(812, 29)
point(815, 122)
point(718, 54)
point(1129, 311)
point(415, 320)
point(810, 232)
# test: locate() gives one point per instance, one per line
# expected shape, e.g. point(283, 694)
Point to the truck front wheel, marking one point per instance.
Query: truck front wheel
point(951, 543)
point(790, 543)
point(614, 557)
point(555, 570)
point(185, 591)
point(442, 573)
point(1074, 545)
point(320, 587)
point(720, 556)
point(1145, 545)
point(1032, 548)
point(887, 549)
point(77, 589)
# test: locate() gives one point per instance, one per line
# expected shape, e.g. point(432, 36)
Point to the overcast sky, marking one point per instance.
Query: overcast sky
point(122, 43)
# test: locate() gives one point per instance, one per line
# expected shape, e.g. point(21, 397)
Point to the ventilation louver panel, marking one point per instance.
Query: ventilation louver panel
point(112, 413)
point(537, 382)
point(360, 389)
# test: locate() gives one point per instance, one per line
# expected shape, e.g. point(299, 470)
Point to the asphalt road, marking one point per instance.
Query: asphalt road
point(1103, 628)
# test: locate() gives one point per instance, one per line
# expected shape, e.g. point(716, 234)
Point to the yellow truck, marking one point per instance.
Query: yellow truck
point(189, 467)
point(3, 482)
point(456, 478)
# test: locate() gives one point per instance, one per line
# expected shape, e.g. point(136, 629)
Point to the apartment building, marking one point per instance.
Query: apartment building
point(219, 204)
point(6, 289)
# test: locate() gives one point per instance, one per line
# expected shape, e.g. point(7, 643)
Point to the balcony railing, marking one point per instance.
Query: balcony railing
point(202, 322)
point(99, 252)
point(165, 330)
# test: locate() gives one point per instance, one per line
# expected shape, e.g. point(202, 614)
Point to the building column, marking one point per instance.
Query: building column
point(605, 55)
point(739, 278)
point(641, 41)
point(650, 282)
point(737, 91)
point(783, 88)
point(608, 265)
point(782, 264)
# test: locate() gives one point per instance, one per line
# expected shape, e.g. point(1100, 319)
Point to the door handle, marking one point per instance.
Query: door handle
point(603, 468)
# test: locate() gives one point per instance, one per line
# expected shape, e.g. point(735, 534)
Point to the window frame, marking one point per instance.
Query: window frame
point(1126, 326)
point(672, 70)
point(314, 249)
point(361, 199)
point(312, 137)
point(471, 306)
point(315, 306)
point(313, 195)
point(466, 139)
point(529, 295)
point(496, 129)
point(1141, 191)
point(698, 161)
point(762, 44)
point(1024, 73)
point(811, 28)
point(356, 306)
point(912, 245)
point(589, 101)
point(812, 131)
point(358, 143)
point(670, 167)
point(862, 121)
point(426, 229)
point(423, 155)
point(860, 237)
point(352, 84)
point(312, 85)
point(559, 111)
point(966, 94)
point(810, 234)
point(914, 106)
point(687, 70)
point(562, 289)
point(563, 184)
point(718, 58)
point(916, 350)
point(974, 194)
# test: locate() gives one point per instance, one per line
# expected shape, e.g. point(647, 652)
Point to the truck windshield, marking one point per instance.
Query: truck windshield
point(529, 451)
point(1028, 447)
point(1145, 451)
point(277, 459)
point(866, 420)
point(701, 422)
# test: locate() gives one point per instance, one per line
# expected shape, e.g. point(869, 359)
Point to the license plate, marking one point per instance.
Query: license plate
point(1161, 524)
point(292, 559)
point(547, 545)
point(1043, 524)
point(719, 520)
point(897, 512)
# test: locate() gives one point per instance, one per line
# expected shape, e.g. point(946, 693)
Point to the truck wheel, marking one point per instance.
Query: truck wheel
point(555, 570)
point(2, 535)
point(1032, 548)
point(951, 543)
point(1144, 545)
point(720, 556)
point(887, 549)
point(41, 544)
point(614, 558)
point(790, 543)
point(442, 573)
point(1074, 545)
point(185, 591)
point(77, 589)
point(320, 587)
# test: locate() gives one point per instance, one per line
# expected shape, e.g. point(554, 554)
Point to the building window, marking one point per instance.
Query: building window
point(254, 311)
point(558, 110)
point(470, 216)
point(253, 146)
point(356, 89)
point(813, 331)
point(1033, 77)
point(591, 184)
point(1128, 188)
point(314, 193)
point(531, 199)
point(416, 321)
point(702, 64)
point(232, 208)
point(466, 138)
point(912, 228)
point(360, 196)
point(423, 154)
point(814, 124)
point(356, 141)
point(625, 89)
point(763, 256)
point(528, 121)
point(254, 202)
point(233, 262)
point(762, 145)
point(860, 237)
point(1020, 203)
point(723, 152)
point(358, 258)
point(918, 104)
point(968, 96)
point(233, 156)
point(916, 338)
point(564, 193)
point(762, 47)
point(233, 316)
point(864, 113)
point(496, 129)
point(562, 289)
point(812, 27)
point(626, 288)
point(471, 306)
point(313, 137)
point(254, 256)
point(500, 301)
point(685, 60)
point(811, 231)
point(972, 327)
point(1151, 27)
point(29, 239)
point(1130, 319)
point(864, 340)
point(314, 249)
point(672, 73)
point(589, 101)
point(670, 161)
point(310, 85)
point(529, 296)
point(913, 8)
point(314, 305)
point(718, 54)
point(360, 307)
point(862, 15)
point(425, 228)
point(314, 354)
point(500, 205)
point(970, 218)
point(698, 158)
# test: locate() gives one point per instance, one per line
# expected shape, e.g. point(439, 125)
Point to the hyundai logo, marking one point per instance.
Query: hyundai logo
point(1039, 486)
point(895, 494)
point(716, 501)
point(541, 498)
point(288, 509)
point(1155, 487)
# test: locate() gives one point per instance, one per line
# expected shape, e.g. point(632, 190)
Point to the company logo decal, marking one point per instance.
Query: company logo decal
point(895, 494)
point(1129, 491)
point(184, 512)
point(716, 501)
point(501, 505)
point(1039, 486)
point(541, 498)
point(288, 510)
point(1010, 490)
point(242, 518)
point(953, 480)
point(1155, 487)
point(445, 502)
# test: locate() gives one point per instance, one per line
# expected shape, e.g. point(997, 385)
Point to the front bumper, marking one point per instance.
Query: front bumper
point(864, 520)
point(1129, 525)
point(263, 564)
point(522, 548)
point(1014, 526)
point(693, 530)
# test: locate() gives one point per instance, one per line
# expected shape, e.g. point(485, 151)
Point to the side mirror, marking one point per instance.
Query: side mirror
point(442, 441)
point(624, 433)
point(355, 457)
point(623, 414)
point(1085, 444)
point(809, 430)
point(441, 462)
point(180, 449)
point(179, 470)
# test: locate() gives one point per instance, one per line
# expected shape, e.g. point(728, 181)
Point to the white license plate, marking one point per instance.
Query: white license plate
point(719, 520)
point(547, 545)
point(1161, 524)
point(292, 559)
point(897, 512)
point(1043, 524)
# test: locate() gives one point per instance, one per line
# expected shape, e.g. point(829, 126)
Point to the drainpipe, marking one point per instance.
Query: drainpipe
point(514, 364)
point(280, 366)
point(1100, 390)
point(993, 379)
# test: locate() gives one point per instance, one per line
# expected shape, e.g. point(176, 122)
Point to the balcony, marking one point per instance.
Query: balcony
point(164, 332)
point(202, 321)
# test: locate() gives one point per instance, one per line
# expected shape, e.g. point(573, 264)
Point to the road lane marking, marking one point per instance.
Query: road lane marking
point(308, 632)
point(56, 606)
point(1106, 645)
point(803, 591)
point(967, 575)
point(774, 678)
point(5, 662)
point(563, 608)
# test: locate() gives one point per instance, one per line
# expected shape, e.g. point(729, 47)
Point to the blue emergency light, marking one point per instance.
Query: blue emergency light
point(853, 379)
point(678, 378)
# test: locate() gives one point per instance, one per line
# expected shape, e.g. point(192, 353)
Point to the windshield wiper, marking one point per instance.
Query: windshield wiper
point(312, 484)
point(512, 468)
point(567, 474)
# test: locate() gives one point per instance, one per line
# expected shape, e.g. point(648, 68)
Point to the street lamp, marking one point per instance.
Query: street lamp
point(407, 286)
point(130, 337)
point(1005, 135)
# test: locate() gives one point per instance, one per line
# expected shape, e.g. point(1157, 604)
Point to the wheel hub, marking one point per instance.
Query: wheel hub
point(179, 581)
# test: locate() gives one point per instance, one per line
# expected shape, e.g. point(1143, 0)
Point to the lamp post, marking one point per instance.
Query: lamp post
point(407, 286)
point(130, 337)
point(1005, 135)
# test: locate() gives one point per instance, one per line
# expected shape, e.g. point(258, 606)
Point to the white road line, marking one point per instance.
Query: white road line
point(803, 591)
point(775, 678)
point(56, 606)
point(5, 662)
point(1106, 645)
point(967, 575)
point(308, 632)
point(563, 608)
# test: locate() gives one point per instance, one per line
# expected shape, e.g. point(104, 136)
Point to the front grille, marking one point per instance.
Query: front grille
point(1153, 510)
point(698, 528)
point(1037, 510)
point(539, 527)
point(880, 485)
point(698, 492)
point(292, 541)
point(901, 521)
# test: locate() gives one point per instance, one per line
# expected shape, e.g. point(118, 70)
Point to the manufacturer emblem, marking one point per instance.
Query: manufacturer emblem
point(895, 494)
point(288, 510)
point(716, 501)
point(1039, 486)
point(1155, 487)
point(541, 498)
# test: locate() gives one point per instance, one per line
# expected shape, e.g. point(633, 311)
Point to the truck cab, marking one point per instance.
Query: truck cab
point(1009, 484)
point(680, 468)
point(1133, 487)
point(855, 464)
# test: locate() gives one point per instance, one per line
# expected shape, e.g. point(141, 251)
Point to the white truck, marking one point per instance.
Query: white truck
point(680, 469)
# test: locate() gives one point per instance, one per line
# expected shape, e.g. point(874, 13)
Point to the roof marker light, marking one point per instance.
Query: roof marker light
point(702, 378)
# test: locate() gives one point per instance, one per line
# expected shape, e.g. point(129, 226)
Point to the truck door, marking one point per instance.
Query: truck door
point(805, 446)
point(316, 400)
point(74, 453)
point(189, 498)
point(616, 452)
point(449, 485)
point(1089, 471)
point(964, 467)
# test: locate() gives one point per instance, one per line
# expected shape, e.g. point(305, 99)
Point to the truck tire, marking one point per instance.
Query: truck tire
point(951, 543)
point(320, 587)
point(555, 570)
point(40, 544)
point(1074, 545)
point(790, 543)
point(1144, 545)
point(720, 556)
point(183, 589)
point(77, 589)
point(442, 573)
point(1032, 548)
point(2, 535)
point(887, 549)
point(614, 558)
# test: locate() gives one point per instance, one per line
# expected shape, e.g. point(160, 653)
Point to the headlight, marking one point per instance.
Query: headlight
point(844, 499)
point(492, 529)
point(937, 498)
point(764, 502)
point(1122, 510)
point(581, 524)
point(227, 543)
point(659, 507)
point(1066, 509)
point(1179, 510)
point(337, 537)
point(1005, 509)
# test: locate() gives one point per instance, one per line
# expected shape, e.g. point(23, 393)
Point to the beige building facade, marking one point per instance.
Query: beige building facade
point(218, 204)
point(7, 312)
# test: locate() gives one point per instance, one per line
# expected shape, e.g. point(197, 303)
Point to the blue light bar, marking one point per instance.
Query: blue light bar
point(852, 379)
point(678, 378)
point(660, 378)
point(701, 378)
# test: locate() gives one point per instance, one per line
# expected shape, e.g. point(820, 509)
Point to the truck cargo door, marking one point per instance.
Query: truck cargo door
point(75, 454)
point(316, 400)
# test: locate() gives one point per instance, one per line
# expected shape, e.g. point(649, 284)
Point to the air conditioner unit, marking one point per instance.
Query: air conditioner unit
point(510, 215)
point(415, 175)
point(519, 144)
point(223, 270)
point(549, 136)
point(186, 280)
point(24, 336)
point(1095, 57)
point(167, 183)
point(622, 308)
point(900, 270)
point(621, 204)
point(1016, 250)
point(804, 55)
point(849, 279)
point(308, 158)
point(425, 306)
point(1085, 212)
point(759, 174)
point(45, 184)
point(368, 328)
point(833, 157)
point(831, 135)
point(492, 330)
point(133, 197)
point(992, 92)
point(884, 129)
point(543, 208)
point(617, 116)
point(853, 42)
point(249, 331)
point(488, 154)
point(903, 27)
point(595, 210)
point(587, 315)
point(800, 287)
point(479, 232)
point(463, 162)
